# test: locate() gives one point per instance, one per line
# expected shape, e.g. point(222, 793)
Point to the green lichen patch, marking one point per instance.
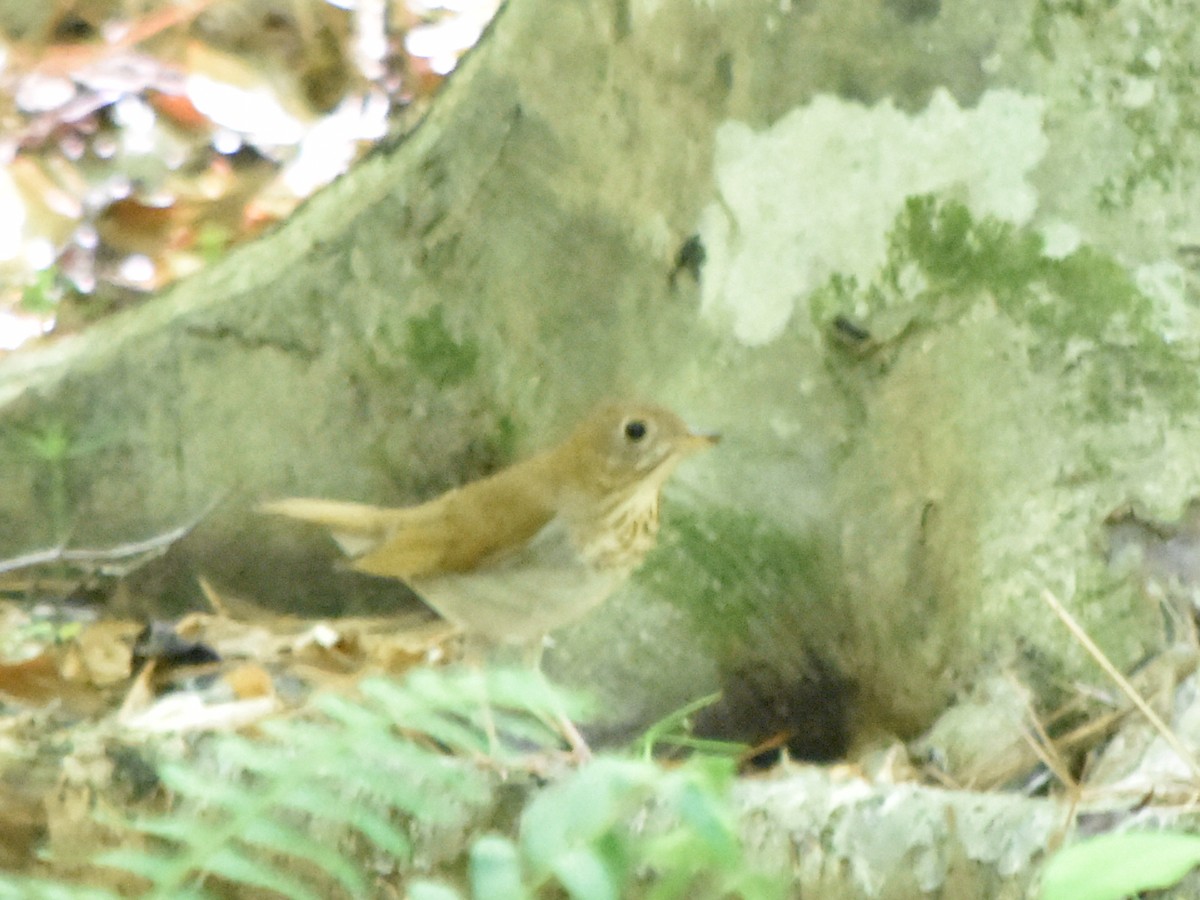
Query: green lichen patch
point(435, 353)
point(1086, 294)
point(1083, 312)
point(960, 252)
point(736, 576)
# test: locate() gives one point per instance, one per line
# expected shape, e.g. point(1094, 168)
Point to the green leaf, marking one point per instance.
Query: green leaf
point(703, 813)
point(1116, 865)
point(153, 867)
point(345, 711)
point(531, 692)
point(171, 829)
point(289, 841)
point(586, 875)
point(423, 703)
point(236, 866)
point(188, 892)
point(192, 782)
point(18, 888)
point(522, 728)
point(450, 731)
point(670, 728)
point(577, 810)
point(432, 890)
point(384, 834)
point(41, 295)
point(494, 870)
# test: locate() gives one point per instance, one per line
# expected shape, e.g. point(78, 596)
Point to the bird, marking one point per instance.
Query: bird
point(515, 555)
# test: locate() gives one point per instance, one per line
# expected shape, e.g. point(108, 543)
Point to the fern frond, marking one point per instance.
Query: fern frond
point(318, 805)
point(265, 812)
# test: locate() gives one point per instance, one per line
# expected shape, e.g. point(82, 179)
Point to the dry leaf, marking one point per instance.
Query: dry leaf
point(102, 653)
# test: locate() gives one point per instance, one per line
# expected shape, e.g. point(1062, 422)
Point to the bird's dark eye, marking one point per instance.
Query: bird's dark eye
point(635, 429)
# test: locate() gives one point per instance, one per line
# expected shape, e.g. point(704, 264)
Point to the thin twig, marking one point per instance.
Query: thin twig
point(1050, 760)
point(1045, 749)
point(119, 560)
point(1122, 682)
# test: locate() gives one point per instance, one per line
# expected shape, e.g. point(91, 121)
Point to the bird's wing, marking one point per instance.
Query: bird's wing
point(465, 529)
point(471, 528)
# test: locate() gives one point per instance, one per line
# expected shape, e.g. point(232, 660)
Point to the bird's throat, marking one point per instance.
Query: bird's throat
point(622, 531)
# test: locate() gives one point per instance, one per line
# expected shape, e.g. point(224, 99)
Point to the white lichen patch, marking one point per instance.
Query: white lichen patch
point(816, 193)
point(1165, 282)
point(1060, 238)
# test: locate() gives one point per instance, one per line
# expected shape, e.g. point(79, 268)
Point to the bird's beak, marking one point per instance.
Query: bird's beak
point(699, 440)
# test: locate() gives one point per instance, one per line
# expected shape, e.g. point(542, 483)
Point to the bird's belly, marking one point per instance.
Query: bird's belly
point(520, 597)
point(517, 605)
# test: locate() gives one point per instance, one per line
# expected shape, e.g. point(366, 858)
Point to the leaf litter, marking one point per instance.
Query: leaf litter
point(138, 142)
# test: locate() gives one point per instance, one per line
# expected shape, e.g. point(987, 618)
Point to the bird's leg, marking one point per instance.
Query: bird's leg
point(474, 657)
point(580, 751)
point(476, 650)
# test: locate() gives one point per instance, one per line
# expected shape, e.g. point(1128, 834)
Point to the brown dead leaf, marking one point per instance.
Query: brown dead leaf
point(250, 680)
point(140, 694)
point(39, 682)
point(22, 825)
point(130, 225)
point(232, 639)
point(102, 653)
point(413, 644)
point(392, 644)
point(35, 681)
point(179, 110)
point(326, 646)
